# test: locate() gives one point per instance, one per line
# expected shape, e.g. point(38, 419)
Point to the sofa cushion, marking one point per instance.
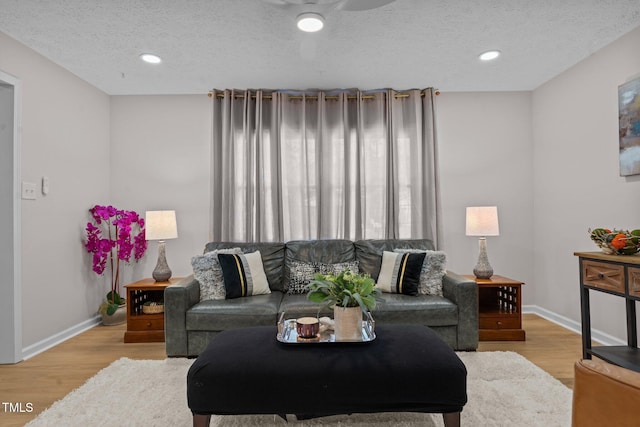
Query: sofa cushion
point(369, 252)
point(208, 273)
point(299, 306)
point(272, 258)
point(325, 251)
point(433, 270)
point(243, 275)
point(400, 272)
point(219, 315)
point(429, 310)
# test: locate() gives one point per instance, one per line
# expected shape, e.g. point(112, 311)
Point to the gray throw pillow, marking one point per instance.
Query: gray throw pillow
point(207, 271)
point(433, 270)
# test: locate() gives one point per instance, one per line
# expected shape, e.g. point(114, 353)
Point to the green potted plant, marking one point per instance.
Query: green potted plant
point(113, 236)
point(350, 295)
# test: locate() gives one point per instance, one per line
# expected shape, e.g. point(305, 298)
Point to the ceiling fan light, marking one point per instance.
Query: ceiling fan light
point(310, 22)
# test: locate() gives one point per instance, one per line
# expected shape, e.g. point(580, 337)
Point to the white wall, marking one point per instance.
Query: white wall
point(65, 137)
point(576, 175)
point(160, 160)
point(485, 150)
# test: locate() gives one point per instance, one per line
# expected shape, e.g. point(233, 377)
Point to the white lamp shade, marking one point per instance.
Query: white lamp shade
point(161, 225)
point(482, 221)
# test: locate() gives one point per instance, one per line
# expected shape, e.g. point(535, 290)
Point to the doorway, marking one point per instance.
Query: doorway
point(10, 266)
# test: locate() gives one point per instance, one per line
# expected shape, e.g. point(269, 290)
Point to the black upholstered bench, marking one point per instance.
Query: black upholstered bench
point(407, 368)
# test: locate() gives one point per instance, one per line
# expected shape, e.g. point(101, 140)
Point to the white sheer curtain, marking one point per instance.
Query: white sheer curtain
point(349, 164)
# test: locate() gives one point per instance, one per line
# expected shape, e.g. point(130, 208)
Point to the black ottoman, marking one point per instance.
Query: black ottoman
point(407, 368)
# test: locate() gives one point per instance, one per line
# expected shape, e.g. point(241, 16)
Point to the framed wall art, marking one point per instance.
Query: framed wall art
point(629, 127)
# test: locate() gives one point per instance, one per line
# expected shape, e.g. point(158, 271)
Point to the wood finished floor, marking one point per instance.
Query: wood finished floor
point(51, 375)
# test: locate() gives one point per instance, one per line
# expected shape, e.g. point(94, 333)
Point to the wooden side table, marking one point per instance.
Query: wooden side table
point(143, 327)
point(499, 309)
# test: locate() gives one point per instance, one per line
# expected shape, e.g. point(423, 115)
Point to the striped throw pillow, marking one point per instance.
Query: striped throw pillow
point(243, 275)
point(400, 273)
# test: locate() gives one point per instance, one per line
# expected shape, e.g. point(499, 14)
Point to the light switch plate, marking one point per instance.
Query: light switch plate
point(45, 185)
point(29, 190)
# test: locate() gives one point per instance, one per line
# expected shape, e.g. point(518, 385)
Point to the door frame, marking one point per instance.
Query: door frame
point(11, 323)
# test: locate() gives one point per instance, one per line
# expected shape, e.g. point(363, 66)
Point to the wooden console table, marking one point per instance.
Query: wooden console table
point(143, 327)
point(499, 309)
point(617, 275)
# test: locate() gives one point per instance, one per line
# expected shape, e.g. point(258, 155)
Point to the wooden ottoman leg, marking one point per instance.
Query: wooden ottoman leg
point(451, 419)
point(203, 420)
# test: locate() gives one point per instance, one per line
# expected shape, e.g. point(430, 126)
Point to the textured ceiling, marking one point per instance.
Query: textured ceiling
point(252, 43)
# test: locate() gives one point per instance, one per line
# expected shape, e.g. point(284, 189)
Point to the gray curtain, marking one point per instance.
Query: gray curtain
point(350, 164)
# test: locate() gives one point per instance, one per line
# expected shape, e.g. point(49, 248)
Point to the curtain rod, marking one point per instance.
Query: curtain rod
point(312, 97)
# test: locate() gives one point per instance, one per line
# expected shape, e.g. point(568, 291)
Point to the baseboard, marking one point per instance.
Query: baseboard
point(596, 335)
point(47, 343)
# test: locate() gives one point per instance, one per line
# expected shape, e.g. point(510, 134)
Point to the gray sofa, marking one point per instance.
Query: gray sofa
point(190, 323)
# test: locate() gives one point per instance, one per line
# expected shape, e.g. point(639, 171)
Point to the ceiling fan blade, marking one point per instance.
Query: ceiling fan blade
point(361, 5)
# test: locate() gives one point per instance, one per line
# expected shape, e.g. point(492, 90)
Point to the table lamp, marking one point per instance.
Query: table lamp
point(161, 226)
point(482, 221)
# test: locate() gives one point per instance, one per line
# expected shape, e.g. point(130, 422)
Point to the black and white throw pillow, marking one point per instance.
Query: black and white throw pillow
point(400, 273)
point(300, 273)
point(337, 267)
point(243, 275)
point(433, 270)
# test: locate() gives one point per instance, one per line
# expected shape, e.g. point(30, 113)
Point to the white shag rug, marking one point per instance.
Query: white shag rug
point(503, 388)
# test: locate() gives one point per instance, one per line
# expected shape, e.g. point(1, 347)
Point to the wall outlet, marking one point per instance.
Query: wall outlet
point(29, 190)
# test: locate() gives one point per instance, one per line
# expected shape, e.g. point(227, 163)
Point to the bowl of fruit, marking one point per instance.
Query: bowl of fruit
point(616, 242)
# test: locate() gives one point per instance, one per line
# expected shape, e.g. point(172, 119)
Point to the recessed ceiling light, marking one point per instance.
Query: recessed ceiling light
point(489, 55)
point(150, 58)
point(310, 22)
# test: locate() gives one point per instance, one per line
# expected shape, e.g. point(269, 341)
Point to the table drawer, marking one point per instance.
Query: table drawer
point(143, 324)
point(498, 322)
point(634, 281)
point(603, 275)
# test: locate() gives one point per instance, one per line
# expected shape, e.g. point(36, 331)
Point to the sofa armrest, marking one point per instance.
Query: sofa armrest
point(178, 298)
point(464, 293)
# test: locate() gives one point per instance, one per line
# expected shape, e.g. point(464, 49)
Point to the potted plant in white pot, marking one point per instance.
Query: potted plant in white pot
point(113, 236)
point(350, 295)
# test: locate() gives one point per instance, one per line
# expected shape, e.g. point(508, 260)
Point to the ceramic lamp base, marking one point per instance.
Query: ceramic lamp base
point(162, 272)
point(483, 269)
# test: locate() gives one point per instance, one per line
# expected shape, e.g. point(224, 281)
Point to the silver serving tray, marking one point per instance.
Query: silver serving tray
point(287, 333)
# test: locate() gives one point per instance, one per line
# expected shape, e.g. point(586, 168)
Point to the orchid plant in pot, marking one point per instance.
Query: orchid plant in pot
point(114, 236)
